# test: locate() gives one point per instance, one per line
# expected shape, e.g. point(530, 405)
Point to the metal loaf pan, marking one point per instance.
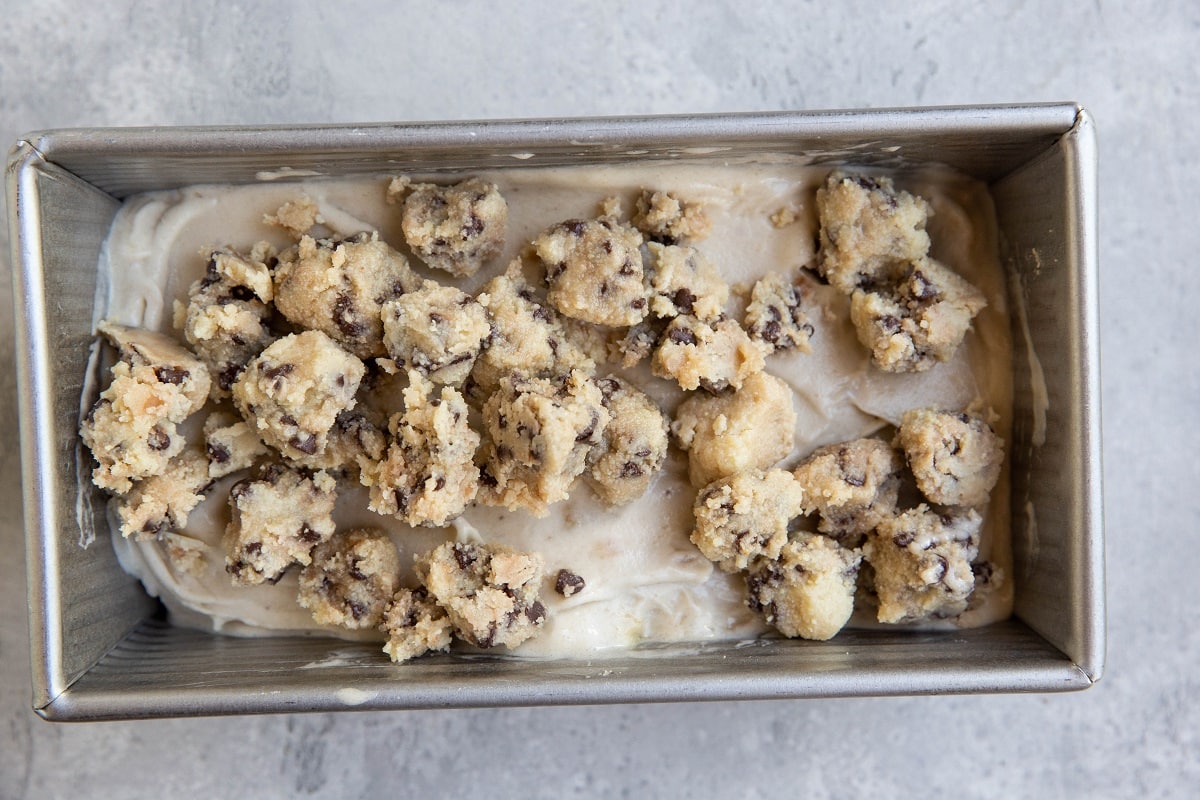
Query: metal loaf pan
point(100, 651)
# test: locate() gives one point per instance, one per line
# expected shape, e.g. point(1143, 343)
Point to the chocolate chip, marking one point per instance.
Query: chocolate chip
point(307, 534)
point(903, 539)
point(568, 584)
point(354, 572)
point(682, 336)
point(253, 549)
point(174, 375)
point(357, 609)
point(631, 470)
point(575, 226)
point(638, 302)
point(590, 430)
point(218, 453)
point(276, 371)
point(465, 555)
point(158, 439)
point(344, 317)
point(242, 293)
point(684, 300)
point(305, 444)
point(889, 324)
point(474, 227)
point(536, 612)
point(227, 376)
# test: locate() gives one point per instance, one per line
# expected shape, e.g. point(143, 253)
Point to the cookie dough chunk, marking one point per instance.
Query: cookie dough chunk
point(455, 228)
point(437, 330)
point(774, 317)
point(746, 516)
point(696, 354)
point(852, 485)
point(866, 225)
point(922, 563)
point(162, 502)
point(339, 286)
point(916, 320)
point(131, 430)
point(540, 432)
point(415, 625)
point(631, 346)
point(594, 271)
point(428, 475)
point(297, 217)
point(278, 517)
point(527, 335)
point(489, 591)
point(808, 591)
point(353, 438)
point(230, 444)
point(351, 579)
point(225, 319)
point(663, 217)
point(633, 447)
point(955, 457)
point(751, 428)
point(682, 281)
point(294, 390)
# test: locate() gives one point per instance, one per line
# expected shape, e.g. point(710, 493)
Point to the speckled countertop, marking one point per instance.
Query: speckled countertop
point(1137, 733)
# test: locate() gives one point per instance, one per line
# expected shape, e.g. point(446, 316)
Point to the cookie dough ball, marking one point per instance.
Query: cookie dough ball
point(853, 485)
point(746, 516)
point(415, 625)
point(490, 592)
point(808, 591)
point(955, 457)
point(695, 353)
point(294, 390)
point(774, 317)
point(230, 444)
point(225, 319)
point(917, 319)
point(162, 502)
point(436, 330)
point(278, 517)
point(428, 475)
point(351, 579)
point(683, 281)
point(527, 335)
point(594, 271)
point(865, 226)
point(132, 428)
point(633, 447)
point(540, 432)
point(922, 563)
point(663, 217)
point(455, 228)
point(339, 286)
point(753, 427)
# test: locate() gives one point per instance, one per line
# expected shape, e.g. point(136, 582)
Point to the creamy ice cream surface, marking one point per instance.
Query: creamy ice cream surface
point(646, 583)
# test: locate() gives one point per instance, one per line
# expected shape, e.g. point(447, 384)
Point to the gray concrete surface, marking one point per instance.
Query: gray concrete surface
point(1136, 734)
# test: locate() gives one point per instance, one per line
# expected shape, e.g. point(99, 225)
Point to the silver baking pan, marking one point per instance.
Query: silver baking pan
point(101, 649)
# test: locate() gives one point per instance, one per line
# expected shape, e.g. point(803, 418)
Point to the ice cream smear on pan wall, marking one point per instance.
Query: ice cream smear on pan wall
point(645, 581)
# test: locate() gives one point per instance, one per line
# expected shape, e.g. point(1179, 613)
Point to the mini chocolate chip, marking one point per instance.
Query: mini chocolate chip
point(307, 534)
point(158, 439)
point(474, 227)
point(536, 612)
point(288, 419)
point(638, 302)
point(607, 245)
point(890, 324)
point(276, 371)
point(631, 470)
point(576, 226)
point(305, 444)
point(242, 293)
point(344, 317)
point(590, 430)
point(568, 584)
point(439, 484)
point(684, 300)
point(436, 318)
point(682, 336)
point(855, 480)
point(465, 555)
point(355, 572)
point(227, 376)
point(175, 375)
point(218, 453)
point(357, 609)
point(253, 549)
point(903, 539)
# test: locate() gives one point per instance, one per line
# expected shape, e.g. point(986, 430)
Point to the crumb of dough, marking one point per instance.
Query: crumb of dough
point(753, 427)
point(351, 580)
point(278, 517)
point(132, 428)
point(491, 592)
point(853, 485)
point(955, 456)
point(746, 516)
point(783, 217)
point(663, 217)
point(415, 625)
point(297, 217)
point(922, 563)
point(807, 591)
point(774, 317)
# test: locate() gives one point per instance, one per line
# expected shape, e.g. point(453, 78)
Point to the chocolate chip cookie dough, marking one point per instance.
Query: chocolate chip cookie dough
point(453, 228)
